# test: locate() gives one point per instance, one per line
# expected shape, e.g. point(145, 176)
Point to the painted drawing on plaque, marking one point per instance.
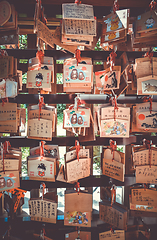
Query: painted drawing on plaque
point(147, 120)
point(77, 217)
point(41, 169)
point(39, 79)
point(113, 23)
point(150, 22)
point(149, 86)
point(114, 128)
point(77, 118)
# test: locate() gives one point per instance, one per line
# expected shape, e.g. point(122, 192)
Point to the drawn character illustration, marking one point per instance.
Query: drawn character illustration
point(111, 35)
point(9, 183)
point(150, 88)
point(39, 79)
point(74, 118)
point(2, 182)
point(41, 169)
point(113, 81)
point(74, 74)
point(80, 120)
point(150, 22)
point(115, 23)
point(52, 152)
point(45, 67)
point(81, 76)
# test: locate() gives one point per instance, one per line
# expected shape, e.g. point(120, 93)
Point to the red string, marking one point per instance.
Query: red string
point(78, 56)
point(146, 99)
point(152, 5)
point(41, 104)
point(39, 55)
point(113, 195)
point(79, 102)
point(3, 53)
point(114, 103)
point(113, 147)
point(42, 150)
point(115, 6)
point(111, 60)
point(77, 146)
point(77, 186)
point(149, 54)
point(77, 2)
point(147, 143)
point(4, 100)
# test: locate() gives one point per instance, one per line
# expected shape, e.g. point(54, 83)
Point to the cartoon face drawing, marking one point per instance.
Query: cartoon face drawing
point(74, 118)
point(114, 24)
point(9, 183)
point(150, 22)
point(74, 74)
point(2, 182)
point(81, 76)
point(39, 79)
point(41, 169)
point(80, 120)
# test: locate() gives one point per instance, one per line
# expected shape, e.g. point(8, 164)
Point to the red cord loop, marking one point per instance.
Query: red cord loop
point(115, 6)
point(78, 56)
point(41, 104)
point(39, 55)
point(152, 5)
point(113, 147)
point(77, 186)
point(77, 146)
point(148, 99)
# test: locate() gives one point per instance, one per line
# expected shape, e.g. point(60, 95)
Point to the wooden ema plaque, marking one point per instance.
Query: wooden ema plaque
point(39, 79)
point(141, 156)
point(114, 128)
point(49, 151)
point(114, 168)
point(76, 170)
point(115, 215)
point(107, 80)
point(71, 155)
point(12, 162)
point(117, 234)
point(79, 76)
point(146, 174)
point(82, 235)
point(41, 168)
point(8, 117)
point(143, 120)
point(145, 197)
point(9, 180)
point(146, 22)
point(78, 209)
point(43, 210)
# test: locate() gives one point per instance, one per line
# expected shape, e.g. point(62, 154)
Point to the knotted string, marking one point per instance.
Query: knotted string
point(78, 56)
point(4, 100)
point(77, 186)
point(41, 104)
point(114, 103)
point(149, 54)
point(77, 2)
point(113, 195)
point(152, 5)
point(115, 6)
point(42, 150)
point(111, 60)
point(148, 99)
point(113, 147)
point(77, 146)
point(3, 53)
point(39, 55)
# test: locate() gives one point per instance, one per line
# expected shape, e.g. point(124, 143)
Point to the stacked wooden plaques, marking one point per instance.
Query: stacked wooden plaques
point(145, 164)
point(115, 215)
point(110, 127)
point(115, 28)
point(112, 235)
point(77, 168)
point(10, 168)
point(44, 209)
point(77, 77)
point(78, 24)
point(41, 124)
point(145, 30)
point(78, 208)
point(146, 73)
